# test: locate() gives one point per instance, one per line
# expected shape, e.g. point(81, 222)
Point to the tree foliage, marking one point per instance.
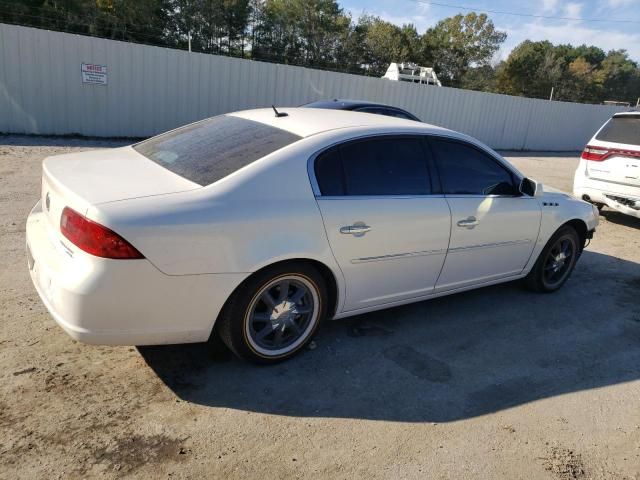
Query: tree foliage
point(321, 34)
point(457, 43)
point(576, 74)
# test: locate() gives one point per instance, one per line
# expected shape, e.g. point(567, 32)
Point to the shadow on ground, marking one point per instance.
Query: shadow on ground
point(441, 360)
point(618, 218)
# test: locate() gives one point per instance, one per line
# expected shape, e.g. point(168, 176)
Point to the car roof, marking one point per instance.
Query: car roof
point(305, 122)
point(345, 104)
point(635, 113)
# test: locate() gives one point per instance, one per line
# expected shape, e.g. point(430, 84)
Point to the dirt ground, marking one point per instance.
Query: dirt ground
point(495, 383)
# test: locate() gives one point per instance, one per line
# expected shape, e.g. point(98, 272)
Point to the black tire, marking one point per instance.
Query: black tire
point(237, 321)
point(548, 275)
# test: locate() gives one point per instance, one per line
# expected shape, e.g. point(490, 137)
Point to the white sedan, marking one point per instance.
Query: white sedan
point(261, 225)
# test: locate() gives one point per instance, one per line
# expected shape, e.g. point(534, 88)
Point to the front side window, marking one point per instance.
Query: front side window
point(376, 166)
point(207, 151)
point(465, 170)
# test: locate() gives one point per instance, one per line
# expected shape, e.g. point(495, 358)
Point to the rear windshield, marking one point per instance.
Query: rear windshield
point(623, 129)
point(206, 151)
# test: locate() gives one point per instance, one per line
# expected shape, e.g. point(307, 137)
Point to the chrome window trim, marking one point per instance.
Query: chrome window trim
point(312, 173)
point(474, 195)
point(315, 187)
point(375, 197)
point(494, 155)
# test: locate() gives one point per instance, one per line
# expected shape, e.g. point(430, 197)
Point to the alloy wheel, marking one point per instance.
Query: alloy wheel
point(559, 261)
point(281, 315)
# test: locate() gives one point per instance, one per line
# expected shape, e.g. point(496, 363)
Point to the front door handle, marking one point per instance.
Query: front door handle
point(469, 222)
point(357, 229)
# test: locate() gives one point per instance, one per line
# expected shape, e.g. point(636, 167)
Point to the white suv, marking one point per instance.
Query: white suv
point(609, 169)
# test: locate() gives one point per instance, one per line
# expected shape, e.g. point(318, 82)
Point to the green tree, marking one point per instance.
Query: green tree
point(142, 21)
point(481, 78)
point(385, 43)
point(457, 43)
point(306, 32)
point(351, 53)
point(576, 74)
point(620, 77)
point(530, 70)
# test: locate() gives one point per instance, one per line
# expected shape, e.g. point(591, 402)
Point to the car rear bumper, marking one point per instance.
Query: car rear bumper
point(121, 302)
point(624, 198)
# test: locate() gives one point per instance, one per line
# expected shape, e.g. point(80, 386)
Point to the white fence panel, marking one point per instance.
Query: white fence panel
point(152, 89)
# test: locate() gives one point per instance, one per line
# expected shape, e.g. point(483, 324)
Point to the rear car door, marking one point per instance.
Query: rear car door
point(386, 228)
point(493, 227)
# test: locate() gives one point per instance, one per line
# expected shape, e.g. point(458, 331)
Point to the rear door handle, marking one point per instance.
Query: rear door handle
point(469, 222)
point(356, 230)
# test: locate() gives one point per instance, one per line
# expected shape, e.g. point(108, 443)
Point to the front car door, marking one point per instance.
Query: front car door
point(386, 229)
point(493, 226)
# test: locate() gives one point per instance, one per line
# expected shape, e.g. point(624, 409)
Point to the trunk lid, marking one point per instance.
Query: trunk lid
point(621, 137)
point(619, 167)
point(79, 180)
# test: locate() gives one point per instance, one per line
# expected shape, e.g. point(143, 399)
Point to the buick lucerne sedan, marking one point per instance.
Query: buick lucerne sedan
point(258, 226)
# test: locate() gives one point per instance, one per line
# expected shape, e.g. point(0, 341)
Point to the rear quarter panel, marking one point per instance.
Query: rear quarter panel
point(261, 214)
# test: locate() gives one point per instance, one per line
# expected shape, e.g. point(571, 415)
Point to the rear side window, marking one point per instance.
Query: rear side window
point(329, 173)
point(622, 129)
point(465, 170)
point(378, 166)
point(207, 151)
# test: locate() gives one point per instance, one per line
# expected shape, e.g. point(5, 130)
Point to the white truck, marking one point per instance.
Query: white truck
point(410, 72)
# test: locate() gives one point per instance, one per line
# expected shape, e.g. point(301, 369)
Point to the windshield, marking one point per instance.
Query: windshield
point(209, 150)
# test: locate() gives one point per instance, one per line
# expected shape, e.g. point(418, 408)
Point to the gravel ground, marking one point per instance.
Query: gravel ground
point(495, 383)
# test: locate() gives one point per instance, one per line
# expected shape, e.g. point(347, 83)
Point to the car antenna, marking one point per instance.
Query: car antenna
point(279, 114)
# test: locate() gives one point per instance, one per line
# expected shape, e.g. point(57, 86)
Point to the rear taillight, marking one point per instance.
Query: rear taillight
point(597, 154)
point(93, 238)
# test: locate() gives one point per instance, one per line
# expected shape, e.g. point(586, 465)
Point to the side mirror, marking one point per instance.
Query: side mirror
point(530, 187)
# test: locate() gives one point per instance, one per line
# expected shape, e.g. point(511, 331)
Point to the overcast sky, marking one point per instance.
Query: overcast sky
point(605, 35)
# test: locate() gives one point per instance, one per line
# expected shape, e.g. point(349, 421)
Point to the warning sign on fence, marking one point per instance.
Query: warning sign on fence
point(96, 74)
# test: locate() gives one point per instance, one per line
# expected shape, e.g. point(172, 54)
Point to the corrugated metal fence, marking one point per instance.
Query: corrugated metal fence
point(151, 89)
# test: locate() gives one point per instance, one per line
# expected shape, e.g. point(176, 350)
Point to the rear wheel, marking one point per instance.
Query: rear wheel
point(556, 262)
point(274, 313)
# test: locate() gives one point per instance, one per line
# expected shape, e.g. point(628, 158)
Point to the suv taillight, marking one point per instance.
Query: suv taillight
point(95, 239)
point(596, 154)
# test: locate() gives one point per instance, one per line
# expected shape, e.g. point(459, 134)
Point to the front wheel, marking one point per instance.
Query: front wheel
point(274, 313)
point(556, 261)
